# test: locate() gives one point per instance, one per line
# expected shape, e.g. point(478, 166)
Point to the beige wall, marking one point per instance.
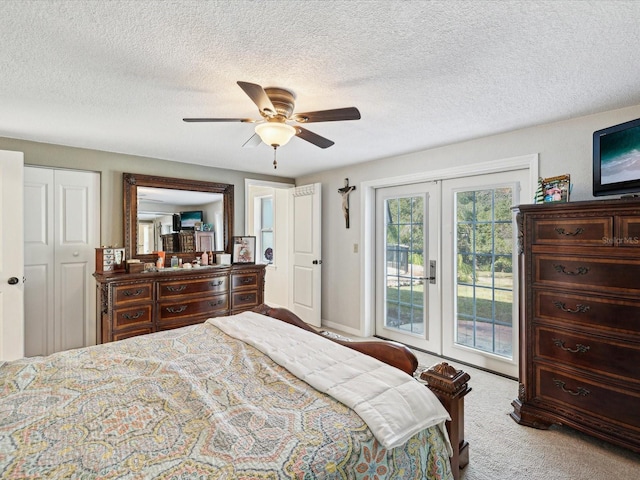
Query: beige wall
point(112, 165)
point(563, 147)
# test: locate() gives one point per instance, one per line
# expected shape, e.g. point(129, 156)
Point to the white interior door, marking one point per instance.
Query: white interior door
point(11, 256)
point(77, 234)
point(407, 270)
point(39, 261)
point(62, 230)
point(306, 264)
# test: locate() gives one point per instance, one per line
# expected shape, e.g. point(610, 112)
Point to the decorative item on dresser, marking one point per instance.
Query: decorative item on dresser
point(580, 318)
point(136, 304)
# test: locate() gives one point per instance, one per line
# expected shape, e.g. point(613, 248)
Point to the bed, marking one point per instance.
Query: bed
point(218, 400)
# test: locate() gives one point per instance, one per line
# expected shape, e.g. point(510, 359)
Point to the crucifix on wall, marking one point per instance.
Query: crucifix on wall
point(345, 191)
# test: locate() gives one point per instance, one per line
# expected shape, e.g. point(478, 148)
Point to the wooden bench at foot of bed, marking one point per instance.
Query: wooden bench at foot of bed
point(448, 384)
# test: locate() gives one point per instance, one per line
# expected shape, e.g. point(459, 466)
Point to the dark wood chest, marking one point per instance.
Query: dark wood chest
point(580, 318)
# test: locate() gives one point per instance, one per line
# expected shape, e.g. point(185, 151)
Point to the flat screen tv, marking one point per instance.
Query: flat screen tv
point(616, 159)
point(188, 220)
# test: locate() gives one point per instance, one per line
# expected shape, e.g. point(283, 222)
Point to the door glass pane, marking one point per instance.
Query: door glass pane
point(484, 277)
point(404, 264)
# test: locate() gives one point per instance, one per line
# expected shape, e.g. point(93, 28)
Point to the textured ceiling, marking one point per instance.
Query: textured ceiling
point(120, 75)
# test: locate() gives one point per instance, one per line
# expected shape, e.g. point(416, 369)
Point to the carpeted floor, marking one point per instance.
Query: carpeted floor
point(500, 449)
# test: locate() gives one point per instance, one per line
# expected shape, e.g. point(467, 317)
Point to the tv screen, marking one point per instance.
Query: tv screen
point(188, 220)
point(616, 159)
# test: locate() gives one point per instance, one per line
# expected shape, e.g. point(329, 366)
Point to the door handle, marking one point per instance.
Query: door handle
point(317, 262)
point(13, 281)
point(432, 272)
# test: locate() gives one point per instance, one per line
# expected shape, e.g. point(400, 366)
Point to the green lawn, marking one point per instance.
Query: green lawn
point(400, 301)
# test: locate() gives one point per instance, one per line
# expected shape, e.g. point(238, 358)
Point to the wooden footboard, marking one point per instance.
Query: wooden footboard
point(449, 385)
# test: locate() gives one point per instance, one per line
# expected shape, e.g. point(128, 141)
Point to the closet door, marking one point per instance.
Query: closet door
point(62, 230)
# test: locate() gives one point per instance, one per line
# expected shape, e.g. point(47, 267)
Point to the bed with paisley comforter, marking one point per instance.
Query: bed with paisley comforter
point(197, 402)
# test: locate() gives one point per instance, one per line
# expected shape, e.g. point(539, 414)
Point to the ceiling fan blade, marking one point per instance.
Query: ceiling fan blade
point(349, 113)
point(244, 120)
point(259, 97)
point(314, 138)
point(254, 141)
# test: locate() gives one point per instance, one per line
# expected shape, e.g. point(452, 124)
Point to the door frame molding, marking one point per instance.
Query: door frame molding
point(367, 232)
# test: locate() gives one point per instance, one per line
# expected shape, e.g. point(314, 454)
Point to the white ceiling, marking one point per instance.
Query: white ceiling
point(120, 75)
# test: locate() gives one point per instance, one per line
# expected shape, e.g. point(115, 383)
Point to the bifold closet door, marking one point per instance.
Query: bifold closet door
point(62, 230)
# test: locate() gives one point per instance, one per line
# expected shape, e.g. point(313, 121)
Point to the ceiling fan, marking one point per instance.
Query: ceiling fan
point(276, 107)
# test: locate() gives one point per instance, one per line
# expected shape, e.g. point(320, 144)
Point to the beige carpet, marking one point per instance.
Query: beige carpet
point(500, 449)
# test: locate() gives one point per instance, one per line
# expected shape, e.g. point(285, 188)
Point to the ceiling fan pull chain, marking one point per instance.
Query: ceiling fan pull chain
point(275, 163)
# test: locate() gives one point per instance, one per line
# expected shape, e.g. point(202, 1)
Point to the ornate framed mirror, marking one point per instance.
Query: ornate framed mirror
point(175, 215)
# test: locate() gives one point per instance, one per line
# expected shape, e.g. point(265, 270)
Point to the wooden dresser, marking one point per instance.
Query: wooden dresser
point(135, 304)
point(580, 318)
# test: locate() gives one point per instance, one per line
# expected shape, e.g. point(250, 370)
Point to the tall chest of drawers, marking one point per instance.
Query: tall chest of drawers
point(580, 318)
point(135, 304)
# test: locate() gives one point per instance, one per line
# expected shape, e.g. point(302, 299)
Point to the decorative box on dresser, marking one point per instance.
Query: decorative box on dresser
point(135, 304)
point(580, 318)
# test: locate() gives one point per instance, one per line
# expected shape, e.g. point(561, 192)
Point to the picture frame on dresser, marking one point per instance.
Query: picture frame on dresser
point(556, 189)
point(243, 250)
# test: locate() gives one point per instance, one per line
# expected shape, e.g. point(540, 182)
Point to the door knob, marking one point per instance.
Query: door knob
point(13, 280)
point(317, 262)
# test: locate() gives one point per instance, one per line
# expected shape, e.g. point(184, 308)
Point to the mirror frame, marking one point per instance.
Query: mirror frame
point(131, 182)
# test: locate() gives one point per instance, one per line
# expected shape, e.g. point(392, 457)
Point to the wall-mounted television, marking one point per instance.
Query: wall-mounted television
point(616, 159)
point(188, 220)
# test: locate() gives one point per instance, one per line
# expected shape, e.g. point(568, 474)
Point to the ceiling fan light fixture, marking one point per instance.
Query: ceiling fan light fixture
point(275, 134)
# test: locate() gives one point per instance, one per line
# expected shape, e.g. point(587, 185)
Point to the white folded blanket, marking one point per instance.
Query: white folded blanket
point(394, 405)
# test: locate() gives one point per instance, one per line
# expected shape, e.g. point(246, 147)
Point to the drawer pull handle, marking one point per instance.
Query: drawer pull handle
point(580, 308)
point(576, 232)
point(579, 347)
point(179, 309)
point(216, 303)
point(179, 288)
point(578, 271)
point(580, 391)
point(130, 316)
point(244, 298)
point(216, 284)
point(244, 281)
point(133, 293)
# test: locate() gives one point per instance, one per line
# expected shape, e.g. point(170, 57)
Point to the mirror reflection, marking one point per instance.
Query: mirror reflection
point(180, 216)
point(179, 221)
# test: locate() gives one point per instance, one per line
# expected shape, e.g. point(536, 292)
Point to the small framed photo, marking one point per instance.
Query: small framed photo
point(244, 249)
point(556, 189)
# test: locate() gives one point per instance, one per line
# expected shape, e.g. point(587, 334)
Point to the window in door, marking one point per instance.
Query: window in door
point(484, 284)
point(264, 228)
point(405, 263)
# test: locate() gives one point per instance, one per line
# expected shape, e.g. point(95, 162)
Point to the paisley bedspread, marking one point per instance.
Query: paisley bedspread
point(188, 403)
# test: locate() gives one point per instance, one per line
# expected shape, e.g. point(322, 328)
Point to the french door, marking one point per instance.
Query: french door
point(407, 286)
point(446, 267)
point(480, 270)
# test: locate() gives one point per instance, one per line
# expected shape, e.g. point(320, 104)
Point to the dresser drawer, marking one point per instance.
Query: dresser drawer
point(609, 357)
point(588, 397)
point(629, 232)
point(132, 332)
point(596, 274)
point(244, 280)
point(587, 311)
point(124, 294)
point(169, 311)
point(573, 231)
point(179, 288)
point(244, 300)
point(134, 315)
